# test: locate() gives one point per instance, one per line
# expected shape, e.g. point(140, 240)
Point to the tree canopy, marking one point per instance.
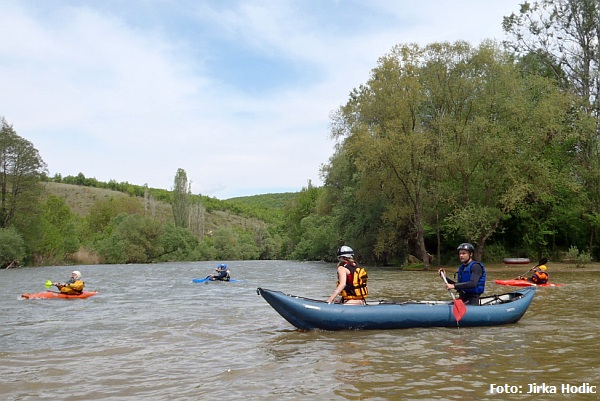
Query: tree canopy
point(21, 168)
point(449, 139)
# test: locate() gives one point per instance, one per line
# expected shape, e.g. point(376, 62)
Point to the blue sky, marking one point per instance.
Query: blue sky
point(237, 93)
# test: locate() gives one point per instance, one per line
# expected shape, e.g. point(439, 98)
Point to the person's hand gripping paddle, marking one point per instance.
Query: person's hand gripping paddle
point(459, 309)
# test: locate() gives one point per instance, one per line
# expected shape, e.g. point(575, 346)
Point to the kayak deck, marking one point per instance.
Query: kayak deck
point(58, 295)
point(208, 280)
point(525, 283)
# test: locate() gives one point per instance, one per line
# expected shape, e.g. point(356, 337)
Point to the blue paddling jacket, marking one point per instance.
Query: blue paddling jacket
point(464, 277)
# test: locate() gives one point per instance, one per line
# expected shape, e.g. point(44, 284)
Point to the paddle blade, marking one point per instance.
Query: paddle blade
point(48, 284)
point(459, 309)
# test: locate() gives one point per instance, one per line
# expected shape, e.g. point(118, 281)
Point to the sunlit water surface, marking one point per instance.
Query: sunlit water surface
point(153, 334)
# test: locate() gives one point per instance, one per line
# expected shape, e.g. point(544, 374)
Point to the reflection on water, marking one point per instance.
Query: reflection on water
point(170, 339)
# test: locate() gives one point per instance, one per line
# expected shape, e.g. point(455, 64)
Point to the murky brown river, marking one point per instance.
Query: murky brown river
point(152, 334)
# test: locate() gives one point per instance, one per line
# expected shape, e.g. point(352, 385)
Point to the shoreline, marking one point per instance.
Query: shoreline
point(553, 267)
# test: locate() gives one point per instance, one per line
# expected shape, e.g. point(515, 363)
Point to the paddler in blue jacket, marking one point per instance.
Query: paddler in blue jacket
point(222, 273)
point(470, 278)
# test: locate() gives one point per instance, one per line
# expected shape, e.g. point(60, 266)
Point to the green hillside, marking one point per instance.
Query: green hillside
point(80, 198)
point(267, 201)
point(235, 212)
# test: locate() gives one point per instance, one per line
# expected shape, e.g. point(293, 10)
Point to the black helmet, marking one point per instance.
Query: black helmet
point(465, 246)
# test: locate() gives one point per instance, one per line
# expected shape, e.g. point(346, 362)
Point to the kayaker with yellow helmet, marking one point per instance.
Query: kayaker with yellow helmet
point(72, 287)
point(540, 275)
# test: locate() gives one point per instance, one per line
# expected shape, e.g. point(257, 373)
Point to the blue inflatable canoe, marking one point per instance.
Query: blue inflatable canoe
point(308, 314)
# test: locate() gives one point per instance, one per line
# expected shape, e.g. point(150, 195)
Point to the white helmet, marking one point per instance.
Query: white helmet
point(345, 252)
point(77, 275)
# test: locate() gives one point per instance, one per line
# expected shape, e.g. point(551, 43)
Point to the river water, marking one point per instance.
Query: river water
point(153, 334)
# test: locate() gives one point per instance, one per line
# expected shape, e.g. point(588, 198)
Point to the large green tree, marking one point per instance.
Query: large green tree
point(21, 168)
point(12, 247)
point(58, 237)
point(387, 144)
point(181, 199)
point(491, 125)
point(562, 36)
point(97, 222)
point(565, 36)
point(132, 239)
point(450, 135)
point(178, 243)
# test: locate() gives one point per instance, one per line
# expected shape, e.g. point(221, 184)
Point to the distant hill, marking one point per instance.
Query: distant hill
point(267, 201)
point(81, 198)
point(267, 207)
point(78, 197)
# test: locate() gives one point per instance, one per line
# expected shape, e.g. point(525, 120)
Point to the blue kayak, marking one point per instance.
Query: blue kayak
point(309, 314)
point(208, 280)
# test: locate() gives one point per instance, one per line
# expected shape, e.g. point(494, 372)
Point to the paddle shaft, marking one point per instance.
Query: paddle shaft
point(458, 309)
point(446, 281)
point(542, 261)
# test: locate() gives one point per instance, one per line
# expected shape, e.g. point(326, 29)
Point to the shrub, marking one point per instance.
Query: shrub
point(12, 246)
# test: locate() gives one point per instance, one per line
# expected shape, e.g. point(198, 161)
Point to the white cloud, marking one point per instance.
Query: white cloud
point(238, 94)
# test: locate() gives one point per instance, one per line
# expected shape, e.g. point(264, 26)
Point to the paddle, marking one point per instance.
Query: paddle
point(201, 280)
point(459, 309)
point(48, 284)
point(542, 261)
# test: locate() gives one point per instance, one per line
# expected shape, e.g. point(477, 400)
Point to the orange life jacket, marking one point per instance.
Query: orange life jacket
point(356, 283)
point(540, 277)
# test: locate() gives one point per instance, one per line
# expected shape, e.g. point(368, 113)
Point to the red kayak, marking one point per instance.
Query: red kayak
point(53, 294)
point(525, 283)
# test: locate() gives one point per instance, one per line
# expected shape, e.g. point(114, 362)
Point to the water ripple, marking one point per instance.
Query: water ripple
point(170, 339)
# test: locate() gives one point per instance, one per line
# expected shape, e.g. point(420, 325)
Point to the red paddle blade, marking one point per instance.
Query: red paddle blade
point(459, 309)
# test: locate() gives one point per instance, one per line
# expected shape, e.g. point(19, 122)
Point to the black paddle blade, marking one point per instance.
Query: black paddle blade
point(543, 261)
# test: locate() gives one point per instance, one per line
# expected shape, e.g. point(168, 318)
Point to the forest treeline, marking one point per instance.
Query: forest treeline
point(496, 144)
point(62, 221)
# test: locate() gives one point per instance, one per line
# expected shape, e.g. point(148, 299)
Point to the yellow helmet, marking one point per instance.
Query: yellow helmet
point(543, 268)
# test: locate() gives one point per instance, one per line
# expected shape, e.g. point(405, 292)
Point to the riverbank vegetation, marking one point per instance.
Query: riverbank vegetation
point(493, 144)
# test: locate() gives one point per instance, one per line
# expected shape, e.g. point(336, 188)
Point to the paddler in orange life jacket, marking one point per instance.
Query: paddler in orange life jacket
point(352, 279)
point(540, 275)
point(72, 287)
point(470, 278)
